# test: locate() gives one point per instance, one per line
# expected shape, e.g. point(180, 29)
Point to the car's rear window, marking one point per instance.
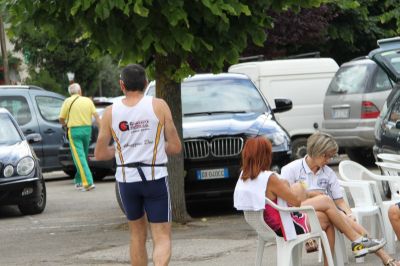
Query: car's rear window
point(349, 80)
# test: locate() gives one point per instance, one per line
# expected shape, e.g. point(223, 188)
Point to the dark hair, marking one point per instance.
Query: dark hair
point(134, 77)
point(256, 157)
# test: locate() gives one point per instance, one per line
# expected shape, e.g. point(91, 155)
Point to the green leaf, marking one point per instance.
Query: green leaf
point(139, 9)
point(184, 38)
point(209, 47)
point(86, 4)
point(147, 41)
point(75, 7)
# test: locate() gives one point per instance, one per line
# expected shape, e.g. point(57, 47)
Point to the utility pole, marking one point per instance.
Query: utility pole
point(4, 52)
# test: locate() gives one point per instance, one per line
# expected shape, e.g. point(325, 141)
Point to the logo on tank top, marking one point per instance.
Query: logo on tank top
point(123, 126)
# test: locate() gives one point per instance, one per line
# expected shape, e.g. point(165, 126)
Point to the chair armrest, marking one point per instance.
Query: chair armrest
point(309, 210)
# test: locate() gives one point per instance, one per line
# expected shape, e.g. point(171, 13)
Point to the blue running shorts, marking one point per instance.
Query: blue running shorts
point(150, 196)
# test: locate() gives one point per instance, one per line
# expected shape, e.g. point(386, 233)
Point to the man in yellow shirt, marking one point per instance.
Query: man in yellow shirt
point(76, 114)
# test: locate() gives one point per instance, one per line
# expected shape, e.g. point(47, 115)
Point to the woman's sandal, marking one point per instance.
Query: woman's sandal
point(392, 262)
point(312, 246)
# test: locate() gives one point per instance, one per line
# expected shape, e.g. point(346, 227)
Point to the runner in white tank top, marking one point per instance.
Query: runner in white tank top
point(144, 132)
point(139, 138)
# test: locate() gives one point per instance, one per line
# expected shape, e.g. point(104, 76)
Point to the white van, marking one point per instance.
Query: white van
point(304, 81)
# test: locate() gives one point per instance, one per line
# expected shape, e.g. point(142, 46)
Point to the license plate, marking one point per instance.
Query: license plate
point(340, 113)
point(212, 174)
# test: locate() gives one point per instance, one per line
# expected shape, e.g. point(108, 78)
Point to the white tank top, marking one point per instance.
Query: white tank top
point(250, 195)
point(138, 138)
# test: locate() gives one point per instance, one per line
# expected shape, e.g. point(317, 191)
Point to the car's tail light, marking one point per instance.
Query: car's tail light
point(369, 110)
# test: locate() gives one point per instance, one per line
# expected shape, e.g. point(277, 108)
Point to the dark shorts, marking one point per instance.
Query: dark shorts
point(151, 197)
point(398, 204)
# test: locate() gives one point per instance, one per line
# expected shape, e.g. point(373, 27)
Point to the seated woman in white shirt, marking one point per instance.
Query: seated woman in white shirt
point(256, 182)
point(320, 179)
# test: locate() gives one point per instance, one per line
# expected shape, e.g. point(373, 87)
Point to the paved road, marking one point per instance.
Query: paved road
point(87, 228)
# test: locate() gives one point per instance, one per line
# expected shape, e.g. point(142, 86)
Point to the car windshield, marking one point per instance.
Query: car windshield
point(8, 132)
point(349, 80)
point(216, 96)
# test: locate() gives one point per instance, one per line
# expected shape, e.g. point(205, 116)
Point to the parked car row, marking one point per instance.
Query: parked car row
point(221, 111)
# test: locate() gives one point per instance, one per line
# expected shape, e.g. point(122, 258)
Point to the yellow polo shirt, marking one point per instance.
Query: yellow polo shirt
point(81, 111)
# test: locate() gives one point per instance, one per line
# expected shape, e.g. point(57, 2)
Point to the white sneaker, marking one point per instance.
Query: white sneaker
point(78, 186)
point(91, 187)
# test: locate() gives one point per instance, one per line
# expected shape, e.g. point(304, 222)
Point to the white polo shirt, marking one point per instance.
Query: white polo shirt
point(325, 179)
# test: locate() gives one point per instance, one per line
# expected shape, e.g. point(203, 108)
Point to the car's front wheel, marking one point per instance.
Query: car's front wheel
point(299, 148)
point(37, 205)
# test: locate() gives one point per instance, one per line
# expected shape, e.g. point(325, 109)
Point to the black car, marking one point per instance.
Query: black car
point(99, 169)
point(21, 179)
point(219, 113)
point(387, 127)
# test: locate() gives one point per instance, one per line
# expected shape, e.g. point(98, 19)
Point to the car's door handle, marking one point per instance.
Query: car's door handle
point(28, 131)
point(49, 131)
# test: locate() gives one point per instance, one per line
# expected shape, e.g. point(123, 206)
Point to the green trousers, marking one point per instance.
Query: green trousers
point(79, 139)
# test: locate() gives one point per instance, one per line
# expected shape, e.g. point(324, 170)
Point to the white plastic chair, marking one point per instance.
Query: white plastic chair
point(289, 253)
point(391, 171)
point(389, 157)
point(350, 170)
point(365, 203)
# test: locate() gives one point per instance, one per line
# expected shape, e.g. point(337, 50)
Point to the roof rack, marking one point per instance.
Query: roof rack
point(360, 58)
point(29, 87)
point(305, 55)
point(251, 58)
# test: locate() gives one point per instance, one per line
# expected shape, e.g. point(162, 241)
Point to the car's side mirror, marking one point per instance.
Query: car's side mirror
point(34, 138)
point(282, 105)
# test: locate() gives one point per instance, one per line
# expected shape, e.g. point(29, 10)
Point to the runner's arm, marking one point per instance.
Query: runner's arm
point(103, 151)
point(172, 141)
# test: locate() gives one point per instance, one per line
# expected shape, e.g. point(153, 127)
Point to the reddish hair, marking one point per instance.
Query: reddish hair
point(256, 157)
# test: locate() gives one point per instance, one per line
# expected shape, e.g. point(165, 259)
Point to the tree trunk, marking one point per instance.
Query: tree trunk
point(170, 91)
point(4, 52)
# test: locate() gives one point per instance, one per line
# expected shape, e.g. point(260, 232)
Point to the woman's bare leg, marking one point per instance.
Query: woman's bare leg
point(361, 230)
point(329, 229)
point(326, 205)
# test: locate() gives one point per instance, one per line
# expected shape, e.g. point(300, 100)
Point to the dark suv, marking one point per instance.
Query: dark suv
point(36, 111)
point(219, 113)
point(387, 126)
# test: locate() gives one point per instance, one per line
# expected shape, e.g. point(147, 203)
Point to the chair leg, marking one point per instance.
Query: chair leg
point(340, 256)
point(260, 251)
point(389, 234)
point(297, 254)
point(325, 245)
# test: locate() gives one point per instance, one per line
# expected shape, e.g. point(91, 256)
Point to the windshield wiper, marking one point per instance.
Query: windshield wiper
point(214, 112)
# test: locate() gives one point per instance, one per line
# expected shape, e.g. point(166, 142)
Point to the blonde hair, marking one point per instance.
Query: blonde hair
point(74, 88)
point(321, 143)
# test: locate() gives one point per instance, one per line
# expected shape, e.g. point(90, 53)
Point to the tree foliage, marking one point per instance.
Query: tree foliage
point(342, 30)
point(169, 36)
point(48, 61)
